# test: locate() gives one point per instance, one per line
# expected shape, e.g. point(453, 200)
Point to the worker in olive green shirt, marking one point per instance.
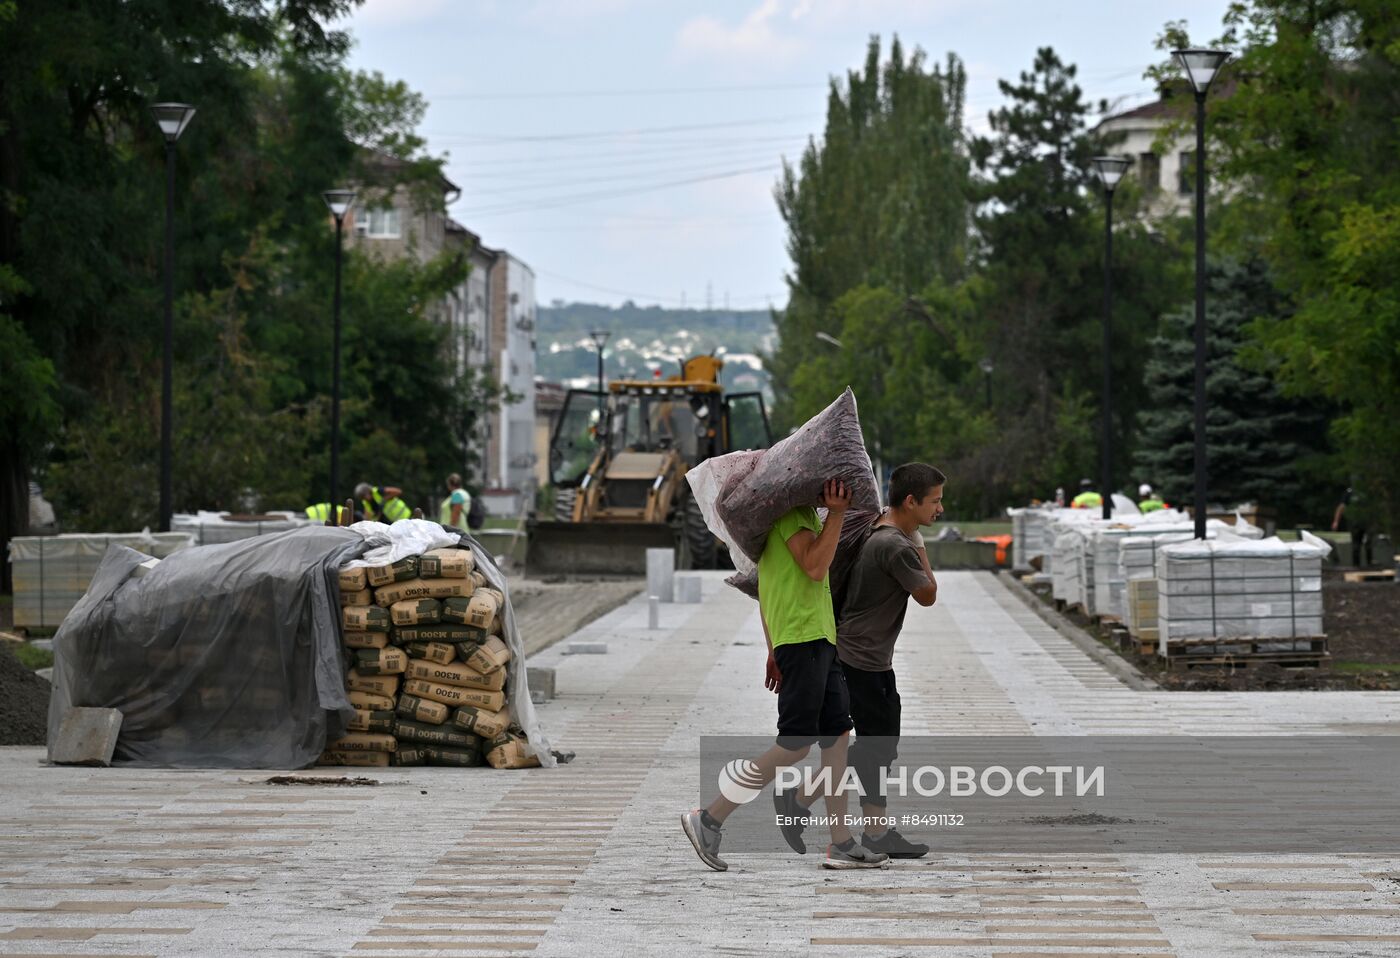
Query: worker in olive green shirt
point(799, 624)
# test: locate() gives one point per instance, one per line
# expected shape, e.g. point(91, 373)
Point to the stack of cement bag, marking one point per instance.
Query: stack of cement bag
point(427, 666)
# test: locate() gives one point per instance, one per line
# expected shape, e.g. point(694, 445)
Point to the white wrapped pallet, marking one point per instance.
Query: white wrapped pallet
point(1238, 588)
point(1070, 579)
point(51, 573)
point(214, 528)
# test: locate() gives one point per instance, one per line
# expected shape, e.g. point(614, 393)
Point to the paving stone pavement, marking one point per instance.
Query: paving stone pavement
point(587, 859)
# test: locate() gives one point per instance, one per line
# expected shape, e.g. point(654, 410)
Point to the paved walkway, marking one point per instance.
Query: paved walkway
point(587, 859)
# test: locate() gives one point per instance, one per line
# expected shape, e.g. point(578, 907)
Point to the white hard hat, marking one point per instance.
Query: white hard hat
point(1145, 489)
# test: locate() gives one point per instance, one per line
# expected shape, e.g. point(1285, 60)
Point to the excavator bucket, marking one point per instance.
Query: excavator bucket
point(594, 548)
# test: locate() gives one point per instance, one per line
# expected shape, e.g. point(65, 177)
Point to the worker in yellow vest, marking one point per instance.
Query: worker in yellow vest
point(1150, 502)
point(382, 504)
point(321, 512)
point(1087, 498)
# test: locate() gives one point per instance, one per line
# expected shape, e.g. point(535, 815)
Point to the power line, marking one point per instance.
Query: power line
point(555, 202)
point(638, 131)
point(636, 91)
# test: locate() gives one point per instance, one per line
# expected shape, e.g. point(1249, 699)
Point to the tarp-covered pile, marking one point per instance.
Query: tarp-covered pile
point(231, 655)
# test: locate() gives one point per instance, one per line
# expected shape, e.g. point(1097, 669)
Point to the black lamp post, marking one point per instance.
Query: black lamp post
point(600, 340)
point(987, 366)
point(339, 202)
point(1110, 170)
point(1201, 68)
point(172, 119)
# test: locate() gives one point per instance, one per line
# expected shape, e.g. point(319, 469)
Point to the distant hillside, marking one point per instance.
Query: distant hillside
point(645, 338)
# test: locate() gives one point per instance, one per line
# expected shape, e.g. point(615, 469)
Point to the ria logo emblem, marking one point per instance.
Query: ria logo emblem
point(740, 781)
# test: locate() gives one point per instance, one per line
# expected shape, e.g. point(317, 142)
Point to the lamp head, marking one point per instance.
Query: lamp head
point(1111, 169)
point(172, 118)
point(1201, 66)
point(339, 201)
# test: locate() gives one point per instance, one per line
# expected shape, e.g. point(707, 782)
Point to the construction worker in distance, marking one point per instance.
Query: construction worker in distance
point(1150, 502)
point(382, 504)
point(321, 512)
point(1087, 498)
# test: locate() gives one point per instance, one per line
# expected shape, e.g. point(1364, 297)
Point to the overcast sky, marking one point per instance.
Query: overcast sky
point(627, 149)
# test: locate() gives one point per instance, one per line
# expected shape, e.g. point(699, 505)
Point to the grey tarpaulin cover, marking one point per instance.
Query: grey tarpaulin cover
point(743, 494)
point(222, 656)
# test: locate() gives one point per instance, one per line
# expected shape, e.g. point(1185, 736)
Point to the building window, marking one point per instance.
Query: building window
point(1150, 173)
point(382, 223)
point(1186, 173)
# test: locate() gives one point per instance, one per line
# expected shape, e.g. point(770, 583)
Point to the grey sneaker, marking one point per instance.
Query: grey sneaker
point(705, 839)
point(894, 845)
point(854, 855)
point(785, 805)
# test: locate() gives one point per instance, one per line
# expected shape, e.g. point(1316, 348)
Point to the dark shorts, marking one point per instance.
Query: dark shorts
point(875, 711)
point(812, 703)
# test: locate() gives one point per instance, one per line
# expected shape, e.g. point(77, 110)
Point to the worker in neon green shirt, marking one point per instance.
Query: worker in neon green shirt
point(384, 504)
point(799, 624)
point(1150, 502)
point(1087, 498)
point(454, 509)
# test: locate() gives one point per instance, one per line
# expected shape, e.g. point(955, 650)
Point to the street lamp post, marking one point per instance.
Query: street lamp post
point(339, 202)
point(987, 366)
point(172, 119)
point(600, 339)
point(1201, 68)
point(1110, 170)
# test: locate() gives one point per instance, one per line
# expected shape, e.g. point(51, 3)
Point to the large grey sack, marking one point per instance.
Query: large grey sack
point(791, 474)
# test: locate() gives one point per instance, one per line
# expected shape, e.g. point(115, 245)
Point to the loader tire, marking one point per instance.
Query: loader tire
point(699, 540)
point(564, 500)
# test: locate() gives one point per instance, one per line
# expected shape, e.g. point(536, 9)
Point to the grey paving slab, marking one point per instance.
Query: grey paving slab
point(587, 859)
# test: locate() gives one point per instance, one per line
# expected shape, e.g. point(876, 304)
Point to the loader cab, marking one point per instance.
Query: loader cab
point(653, 417)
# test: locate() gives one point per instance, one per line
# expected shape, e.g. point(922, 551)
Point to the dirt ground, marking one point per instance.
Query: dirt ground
point(24, 702)
point(1362, 623)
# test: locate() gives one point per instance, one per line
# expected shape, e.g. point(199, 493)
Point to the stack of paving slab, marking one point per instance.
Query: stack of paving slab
point(51, 573)
point(427, 669)
point(1234, 588)
point(212, 528)
point(1029, 538)
point(1106, 544)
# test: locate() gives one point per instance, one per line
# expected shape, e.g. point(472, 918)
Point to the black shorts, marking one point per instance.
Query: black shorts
point(812, 704)
point(875, 710)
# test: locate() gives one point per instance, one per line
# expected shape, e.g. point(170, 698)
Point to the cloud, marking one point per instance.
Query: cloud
point(756, 37)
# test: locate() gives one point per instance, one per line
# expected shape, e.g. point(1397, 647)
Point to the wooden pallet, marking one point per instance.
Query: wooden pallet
point(1214, 652)
point(1370, 575)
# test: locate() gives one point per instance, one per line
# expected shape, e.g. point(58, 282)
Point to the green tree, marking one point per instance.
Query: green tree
point(1306, 140)
point(280, 118)
point(878, 202)
point(1038, 289)
point(1262, 446)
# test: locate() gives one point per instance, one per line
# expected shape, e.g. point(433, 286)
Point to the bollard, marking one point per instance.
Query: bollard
point(661, 572)
point(653, 612)
point(688, 588)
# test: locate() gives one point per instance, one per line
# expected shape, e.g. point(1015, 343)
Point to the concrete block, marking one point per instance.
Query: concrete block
point(586, 648)
point(688, 588)
point(86, 737)
point(661, 573)
point(540, 679)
